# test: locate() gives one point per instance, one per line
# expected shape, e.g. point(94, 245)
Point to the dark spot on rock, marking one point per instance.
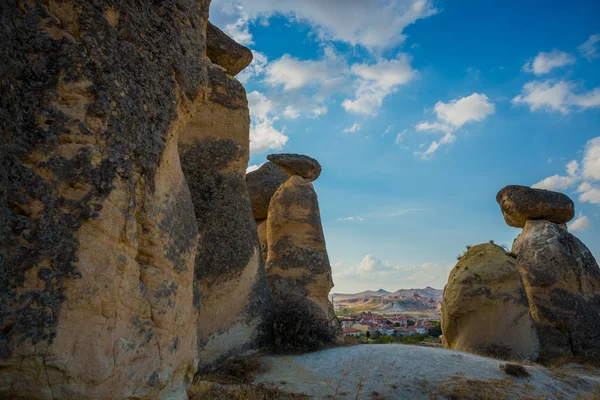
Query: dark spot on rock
point(154, 381)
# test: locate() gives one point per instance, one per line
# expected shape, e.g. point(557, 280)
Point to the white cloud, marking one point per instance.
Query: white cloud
point(458, 112)
point(388, 129)
point(435, 145)
point(256, 67)
point(558, 182)
point(290, 112)
point(582, 223)
point(400, 137)
point(589, 49)
point(591, 159)
point(452, 116)
point(376, 24)
point(253, 168)
point(354, 128)
point(358, 219)
point(373, 272)
point(263, 135)
point(556, 96)
point(433, 127)
point(292, 73)
point(587, 176)
point(376, 81)
point(546, 62)
point(589, 193)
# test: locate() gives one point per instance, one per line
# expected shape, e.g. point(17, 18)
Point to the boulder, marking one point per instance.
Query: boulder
point(485, 308)
point(226, 52)
point(521, 203)
point(297, 164)
point(297, 263)
point(112, 242)
point(262, 184)
point(562, 281)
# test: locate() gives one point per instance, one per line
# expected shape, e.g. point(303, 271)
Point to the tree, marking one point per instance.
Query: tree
point(410, 322)
point(396, 324)
point(368, 334)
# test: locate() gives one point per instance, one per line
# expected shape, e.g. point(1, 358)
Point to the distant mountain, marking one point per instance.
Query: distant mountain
point(360, 295)
point(427, 292)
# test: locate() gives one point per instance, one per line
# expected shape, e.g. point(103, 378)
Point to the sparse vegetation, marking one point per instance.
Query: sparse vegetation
point(241, 370)
point(300, 326)
point(243, 392)
point(495, 350)
point(516, 370)
point(461, 388)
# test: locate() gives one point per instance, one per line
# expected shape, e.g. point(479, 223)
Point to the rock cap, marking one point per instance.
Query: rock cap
point(226, 52)
point(522, 203)
point(297, 164)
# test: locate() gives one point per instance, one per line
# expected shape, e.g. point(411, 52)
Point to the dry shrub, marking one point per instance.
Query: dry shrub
point(299, 325)
point(516, 370)
point(494, 350)
point(244, 392)
point(237, 370)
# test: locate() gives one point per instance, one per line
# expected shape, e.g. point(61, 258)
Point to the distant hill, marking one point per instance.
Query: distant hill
point(360, 295)
point(381, 300)
point(427, 292)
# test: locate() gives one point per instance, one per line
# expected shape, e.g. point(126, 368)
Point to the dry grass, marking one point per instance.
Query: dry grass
point(461, 388)
point(239, 392)
point(242, 370)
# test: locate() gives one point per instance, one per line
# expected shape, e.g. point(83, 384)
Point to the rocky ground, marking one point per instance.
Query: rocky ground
point(416, 372)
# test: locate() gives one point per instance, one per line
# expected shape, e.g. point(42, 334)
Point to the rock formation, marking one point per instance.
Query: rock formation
point(291, 236)
point(520, 204)
point(562, 281)
point(127, 237)
point(297, 164)
point(226, 52)
point(553, 288)
point(262, 184)
point(485, 308)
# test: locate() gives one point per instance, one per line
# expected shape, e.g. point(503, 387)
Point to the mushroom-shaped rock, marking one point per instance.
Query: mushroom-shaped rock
point(521, 203)
point(297, 164)
point(297, 262)
point(226, 52)
point(262, 184)
point(562, 282)
point(485, 307)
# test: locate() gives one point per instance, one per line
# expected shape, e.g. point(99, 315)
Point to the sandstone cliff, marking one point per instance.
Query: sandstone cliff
point(126, 222)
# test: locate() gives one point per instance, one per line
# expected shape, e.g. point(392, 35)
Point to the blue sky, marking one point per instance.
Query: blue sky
point(419, 112)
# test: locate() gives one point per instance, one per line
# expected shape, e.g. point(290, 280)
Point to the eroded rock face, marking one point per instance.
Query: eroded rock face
point(232, 290)
point(226, 52)
point(297, 263)
point(521, 203)
point(562, 281)
point(261, 229)
point(99, 241)
point(262, 184)
point(485, 308)
point(297, 164)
